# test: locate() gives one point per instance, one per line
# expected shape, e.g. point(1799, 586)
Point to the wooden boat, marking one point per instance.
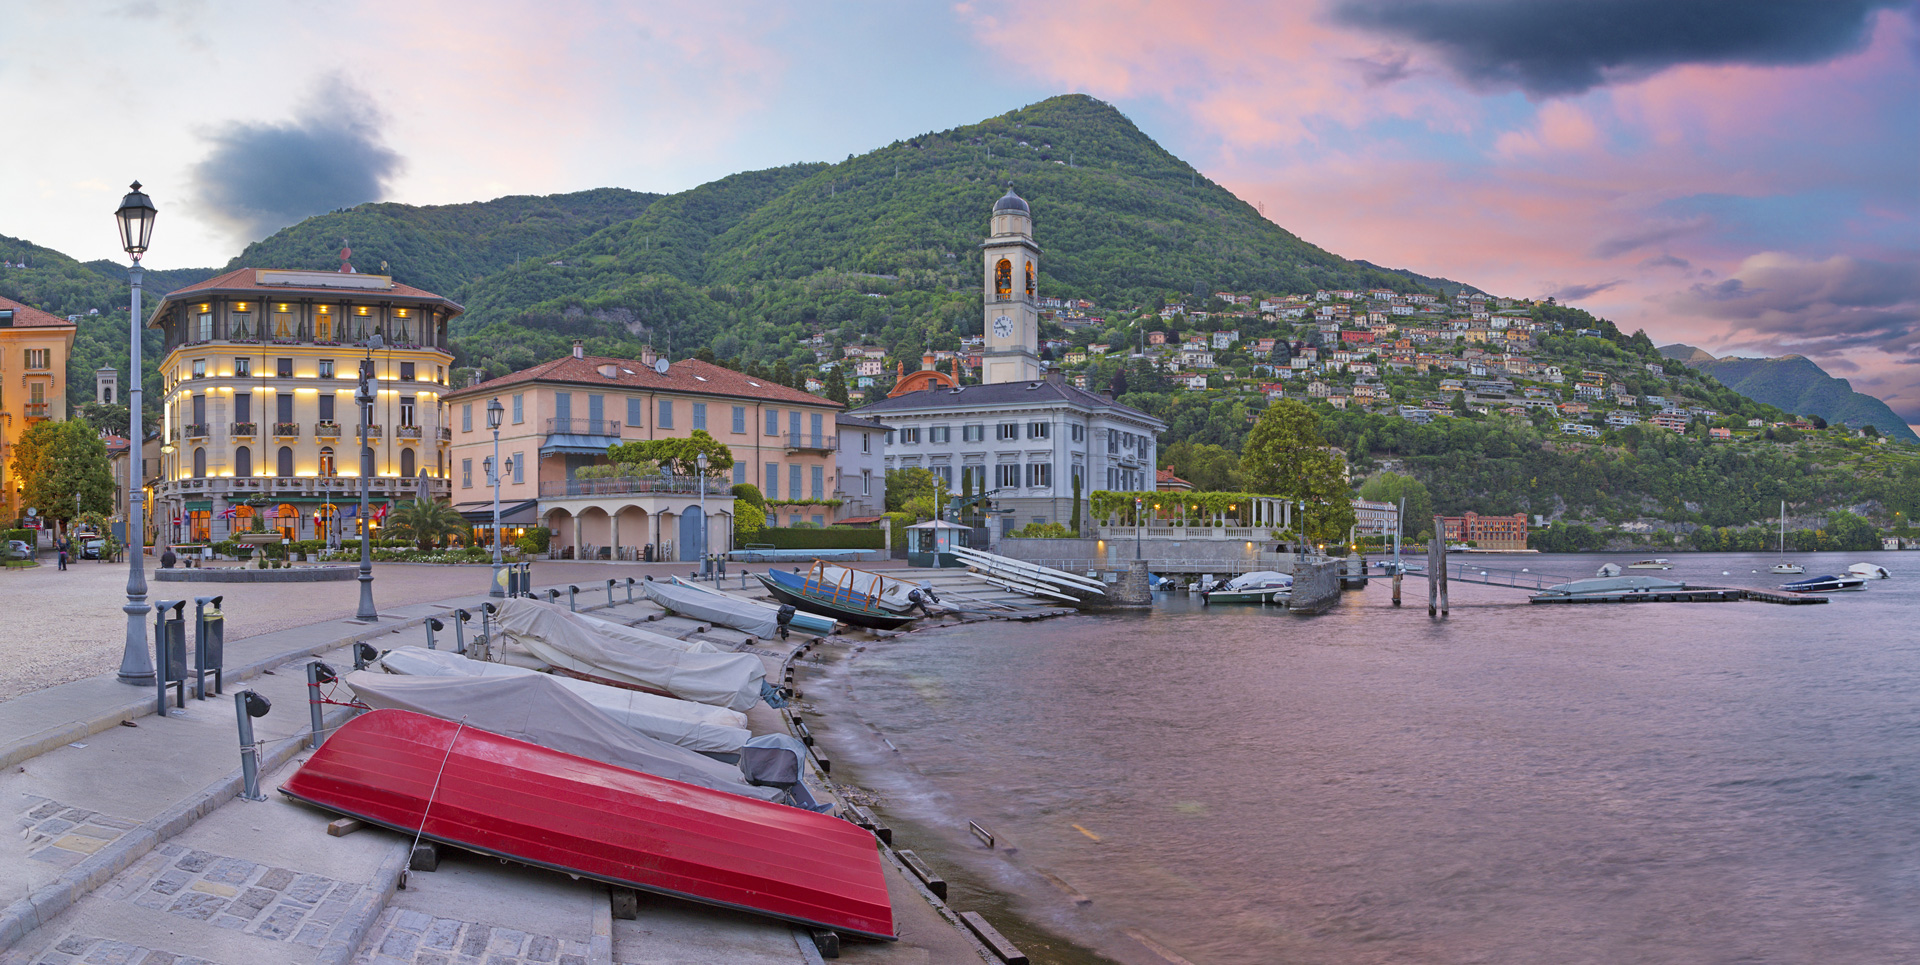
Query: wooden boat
point(839, 602)
point(511, 799)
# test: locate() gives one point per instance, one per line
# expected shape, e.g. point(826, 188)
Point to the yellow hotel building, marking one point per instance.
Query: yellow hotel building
point(257, 406)
point(33, 381)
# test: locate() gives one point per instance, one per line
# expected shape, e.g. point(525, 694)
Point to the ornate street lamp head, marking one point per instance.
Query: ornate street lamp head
point(494, 411)
point(136, 216)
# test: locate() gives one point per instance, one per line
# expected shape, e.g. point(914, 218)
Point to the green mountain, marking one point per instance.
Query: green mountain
point(1446, 286)
point(1793, 383)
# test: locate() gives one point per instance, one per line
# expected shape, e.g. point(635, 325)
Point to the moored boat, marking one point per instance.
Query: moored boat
point(498, 796)
point(1263, 586)
point(1869, 571)
point(840, 603)
point(1825, 584)
point(1609, 587)
point(1653, 564)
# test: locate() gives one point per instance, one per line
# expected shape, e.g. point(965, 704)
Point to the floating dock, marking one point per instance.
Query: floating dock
point(1692, 594)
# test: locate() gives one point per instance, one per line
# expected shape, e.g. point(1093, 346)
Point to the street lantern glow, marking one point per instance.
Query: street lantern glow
point(136, 216)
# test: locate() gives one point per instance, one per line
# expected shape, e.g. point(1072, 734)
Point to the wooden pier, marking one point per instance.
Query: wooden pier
point(1692, 594)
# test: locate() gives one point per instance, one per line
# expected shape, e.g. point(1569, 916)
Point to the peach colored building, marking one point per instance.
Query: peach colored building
point(561, 416)
point(33, 379)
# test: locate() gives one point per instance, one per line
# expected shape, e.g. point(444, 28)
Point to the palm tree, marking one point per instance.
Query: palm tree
point(426, 522)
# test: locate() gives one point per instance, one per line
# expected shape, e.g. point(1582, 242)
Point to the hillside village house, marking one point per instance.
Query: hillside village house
point(257, 411)
point(33, 380)
point(560, 416)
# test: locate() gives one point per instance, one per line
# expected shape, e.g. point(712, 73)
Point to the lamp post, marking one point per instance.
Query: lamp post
point(701, 480)
point(135, 215)
point(1139, 506)
point(494, 411)
point(364, 396)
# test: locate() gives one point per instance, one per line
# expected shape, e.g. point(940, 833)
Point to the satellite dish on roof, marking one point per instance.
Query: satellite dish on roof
point(660, 366)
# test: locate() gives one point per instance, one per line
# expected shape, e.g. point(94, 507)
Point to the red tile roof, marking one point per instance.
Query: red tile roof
point(242, 280)
point(690, 376)
point(26, 316)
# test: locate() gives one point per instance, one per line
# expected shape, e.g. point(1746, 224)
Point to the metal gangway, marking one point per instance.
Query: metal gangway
point(1468, 571)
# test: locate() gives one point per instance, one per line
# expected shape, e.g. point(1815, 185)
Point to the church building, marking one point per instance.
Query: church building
point(1024, 432)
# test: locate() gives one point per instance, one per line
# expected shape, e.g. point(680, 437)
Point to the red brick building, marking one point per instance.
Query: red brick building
point(1488, 532)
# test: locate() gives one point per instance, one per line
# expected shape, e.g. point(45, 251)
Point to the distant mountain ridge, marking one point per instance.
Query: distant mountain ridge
point(1796, 384)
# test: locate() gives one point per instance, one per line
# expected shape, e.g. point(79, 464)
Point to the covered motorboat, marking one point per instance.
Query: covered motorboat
point(1654, 564)
point(1869, 571)
point(539, 709)
point(609, 653)
point(698, 727)
point(1609, 587)
point(809, 622)
point(841, 603)
point(1261, 586)
point(1826, 584)
point(496, 795)
point(717, 608)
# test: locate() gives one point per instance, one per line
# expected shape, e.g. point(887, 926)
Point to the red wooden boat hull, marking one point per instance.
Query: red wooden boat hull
point(517, 800)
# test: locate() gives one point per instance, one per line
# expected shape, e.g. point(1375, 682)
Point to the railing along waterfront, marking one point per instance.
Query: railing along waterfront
point(633, 485)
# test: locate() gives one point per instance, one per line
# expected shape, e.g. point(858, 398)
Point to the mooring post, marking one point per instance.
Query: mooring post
point(629, 590)
point(572, 591)
point(1440, 552)
point(610, 593)
point(247, 705)
point(460, 618)
point(1436, 565)
point(1396, 586)
point(317, 673)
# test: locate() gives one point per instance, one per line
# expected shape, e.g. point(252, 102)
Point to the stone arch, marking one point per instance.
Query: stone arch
point(407, 463)
point(284, 462)
point(200, 463)
point(243, 462)
point(1003, 278)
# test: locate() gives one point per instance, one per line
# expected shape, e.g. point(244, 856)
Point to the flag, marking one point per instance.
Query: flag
point(230, 512)
point(380, 512)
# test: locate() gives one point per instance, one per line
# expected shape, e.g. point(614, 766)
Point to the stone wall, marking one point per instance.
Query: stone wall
point(1316, 586)
point(240, 574)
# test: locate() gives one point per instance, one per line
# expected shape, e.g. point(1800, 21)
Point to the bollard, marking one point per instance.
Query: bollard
point(170, 650)
point(433, 624)
point(629, 590)
point(513, 580)
point(720, 571)
point(1396, 587)
point(610, 593)
point(460, 618)
point(485, 640)
point(318, 673)
point(553, 596)
point(572, 591)
point(209, 645)
point(364, 653)
point(246, 706)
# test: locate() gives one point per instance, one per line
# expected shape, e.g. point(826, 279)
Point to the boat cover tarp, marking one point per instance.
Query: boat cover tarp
point(699, 727)
point(1259, 579)
point(497, 795)
point(725, 611)
point(535, 708)
point(564, 640)
point(802, 620)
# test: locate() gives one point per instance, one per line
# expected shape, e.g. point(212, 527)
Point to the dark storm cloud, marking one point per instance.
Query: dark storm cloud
point(1569, 46)
point(1834, 305)
point(1665, 261)
point(1574, 293)
point(261, 177)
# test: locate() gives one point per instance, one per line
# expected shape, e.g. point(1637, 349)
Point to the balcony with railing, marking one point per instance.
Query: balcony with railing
point(446, 434)
point(286, 430)
point(407, 432)
point(326, 430)
point(37, 410)
point(580, 436)
point(195, 430)
point(663, 484)
point(371, 432)
point(583, 427)
point(812, 442)
point(243, 429)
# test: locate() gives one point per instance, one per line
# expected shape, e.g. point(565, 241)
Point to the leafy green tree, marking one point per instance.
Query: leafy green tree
point(677, 455)
point(836, 385)
point(1208, 467)
point(104, 417)
point(427, 522)
point(1391, 487)
point(1285, 456)
point(915, 490)
point(55, 462)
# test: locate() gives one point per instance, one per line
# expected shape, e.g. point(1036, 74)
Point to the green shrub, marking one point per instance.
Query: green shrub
point(750, 493)
point(1043, 531)
point(534, 541)
point(806, 537)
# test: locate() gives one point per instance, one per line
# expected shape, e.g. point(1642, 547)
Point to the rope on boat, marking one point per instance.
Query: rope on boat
point(436, 785)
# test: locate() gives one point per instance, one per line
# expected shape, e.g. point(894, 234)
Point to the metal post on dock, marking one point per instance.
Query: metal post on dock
point(1437, 566)
point(247, 705)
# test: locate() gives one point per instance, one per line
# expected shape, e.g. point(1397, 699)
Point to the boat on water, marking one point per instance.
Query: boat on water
point(1869, 571)
point(1785, 568)
point(1262, 587)
point(458, 785)
point(842, 603)
point(1653, 564)
point(1826, 584)
point(1609, 587)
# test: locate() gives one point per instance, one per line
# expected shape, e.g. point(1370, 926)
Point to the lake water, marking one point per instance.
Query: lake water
point(1686, 783)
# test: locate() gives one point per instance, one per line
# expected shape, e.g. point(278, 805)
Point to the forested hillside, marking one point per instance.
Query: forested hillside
point(1795, 383)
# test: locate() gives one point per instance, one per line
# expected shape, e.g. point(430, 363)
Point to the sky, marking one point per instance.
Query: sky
point(1739, 176)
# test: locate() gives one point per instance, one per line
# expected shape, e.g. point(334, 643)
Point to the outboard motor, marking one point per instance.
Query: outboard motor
point(784, 617)
point(915, 597)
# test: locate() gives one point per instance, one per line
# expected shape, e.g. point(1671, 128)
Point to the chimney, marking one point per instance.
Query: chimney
point(579, 348)
point(1057, 375)
point(647, 356)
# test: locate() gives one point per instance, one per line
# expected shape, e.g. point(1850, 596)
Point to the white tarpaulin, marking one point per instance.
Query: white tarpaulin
point(713, 608)
point(565, 641)
point(537, 709)
point(699, 727)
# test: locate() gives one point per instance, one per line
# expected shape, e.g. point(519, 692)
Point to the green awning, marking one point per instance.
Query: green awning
point(199, 505)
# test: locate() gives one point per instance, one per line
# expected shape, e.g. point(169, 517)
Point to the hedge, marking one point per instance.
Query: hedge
point(831, 538)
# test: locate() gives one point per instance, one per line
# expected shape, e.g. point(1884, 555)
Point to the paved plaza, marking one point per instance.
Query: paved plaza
point(67, 625)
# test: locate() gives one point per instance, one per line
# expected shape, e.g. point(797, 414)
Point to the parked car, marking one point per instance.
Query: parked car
point(91, 547)
point(19, 549)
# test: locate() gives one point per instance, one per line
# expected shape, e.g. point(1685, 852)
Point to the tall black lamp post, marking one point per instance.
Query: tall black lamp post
point(364, 396)
point(494, 413)
point(136, 216)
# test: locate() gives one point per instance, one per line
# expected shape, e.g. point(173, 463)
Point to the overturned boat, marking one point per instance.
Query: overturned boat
point(839, 602)
point(609, 653)
point(495, 795)
point(695, 726)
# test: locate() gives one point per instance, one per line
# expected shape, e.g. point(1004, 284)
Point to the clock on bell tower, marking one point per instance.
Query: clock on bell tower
point(1012, 264)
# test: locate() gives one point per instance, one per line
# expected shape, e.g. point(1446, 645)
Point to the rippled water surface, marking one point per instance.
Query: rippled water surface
point(1654, 783)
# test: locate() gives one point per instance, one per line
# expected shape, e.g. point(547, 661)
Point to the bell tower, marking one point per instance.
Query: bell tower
point(1012, 263)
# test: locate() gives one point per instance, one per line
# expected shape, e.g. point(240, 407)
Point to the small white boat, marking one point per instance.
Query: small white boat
point(1869, 571)
point(1263, 586)
point(1825, 584)
point(1654, 564)
point(1783, 567)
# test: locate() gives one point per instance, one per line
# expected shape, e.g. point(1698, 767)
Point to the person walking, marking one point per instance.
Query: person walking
point(62, 545)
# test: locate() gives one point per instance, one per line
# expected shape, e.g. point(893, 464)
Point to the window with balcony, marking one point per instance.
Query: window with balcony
point(240, 326)
point(243, 367)
point(406, 371)
point(203, 325)
point(199, 368)
point(326, 368)
point(39, 359)
point(282, 322)
point(699, 415)
point(739, 419)
point(323, 326)
point(283, 368)
point(406, 413)
point(326, 462)
point(793, 425)
point(326, 408)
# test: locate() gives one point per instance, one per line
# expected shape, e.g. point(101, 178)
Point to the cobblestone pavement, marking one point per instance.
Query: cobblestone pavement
point(86, 950)
point(417, 938)
point(275, 903)
point(63, 835)
point(62, 626)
